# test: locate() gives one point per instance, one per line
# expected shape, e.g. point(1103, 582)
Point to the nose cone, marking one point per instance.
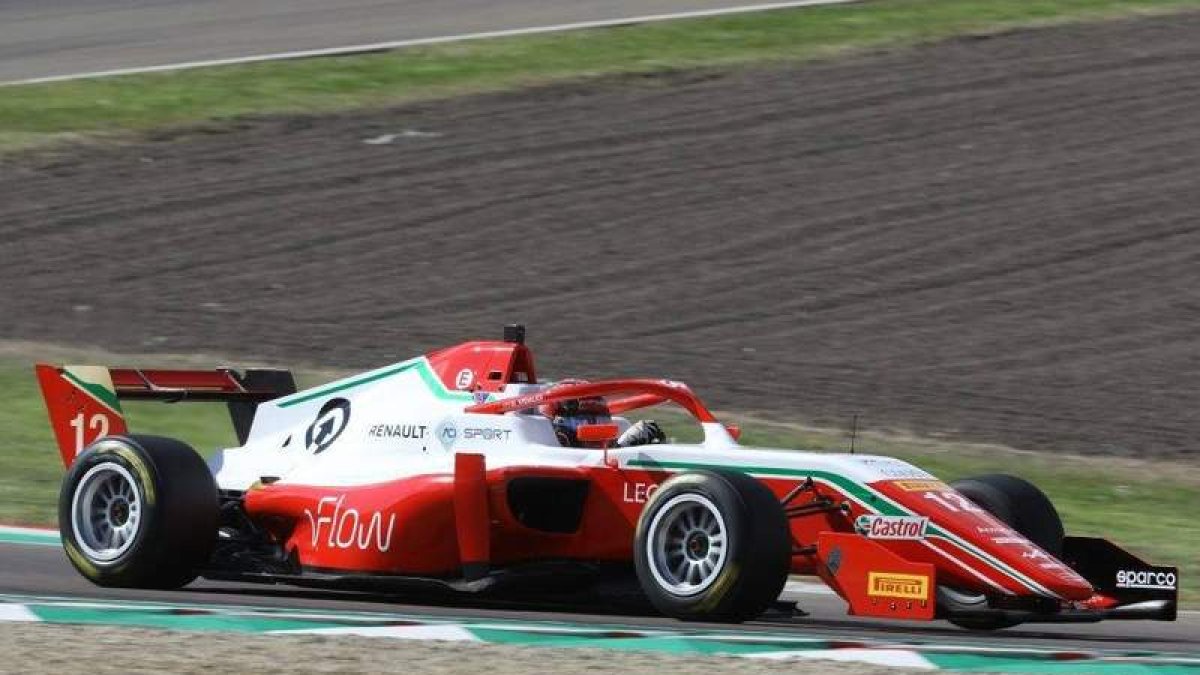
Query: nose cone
point(995, 552)
point(1045, 570)
point(1070, 586)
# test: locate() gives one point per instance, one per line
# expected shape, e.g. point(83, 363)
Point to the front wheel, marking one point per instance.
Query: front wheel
point(1023, 507)
point(712, 546)
point(138, 511)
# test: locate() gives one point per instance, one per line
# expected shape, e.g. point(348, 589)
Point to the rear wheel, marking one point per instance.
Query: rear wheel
point(712, 546)
point(1024, 508)
point(138, 511)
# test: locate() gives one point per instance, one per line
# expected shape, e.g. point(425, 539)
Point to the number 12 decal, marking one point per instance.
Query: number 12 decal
point(97, 422)
point(953, 501)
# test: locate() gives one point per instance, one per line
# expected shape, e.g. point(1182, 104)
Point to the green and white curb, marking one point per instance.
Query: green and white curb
point(29, 536)
point(766, 645)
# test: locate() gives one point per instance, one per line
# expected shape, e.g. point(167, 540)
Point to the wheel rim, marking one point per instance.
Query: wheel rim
point(106, 512)
point(687, 544)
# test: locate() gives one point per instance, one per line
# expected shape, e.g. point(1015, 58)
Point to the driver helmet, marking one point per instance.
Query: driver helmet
point(568, 416)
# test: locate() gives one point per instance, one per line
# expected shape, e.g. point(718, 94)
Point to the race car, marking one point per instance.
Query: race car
point(460, 470)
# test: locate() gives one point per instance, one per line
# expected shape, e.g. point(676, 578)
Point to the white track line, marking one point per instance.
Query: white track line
point(28, 530)
point(807, 586)
point(418, 42)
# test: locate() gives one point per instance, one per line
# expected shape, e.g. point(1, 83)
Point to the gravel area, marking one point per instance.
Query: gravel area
point(38, 648)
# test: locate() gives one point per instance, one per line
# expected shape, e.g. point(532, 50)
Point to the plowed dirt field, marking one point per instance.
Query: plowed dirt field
point(994, 238)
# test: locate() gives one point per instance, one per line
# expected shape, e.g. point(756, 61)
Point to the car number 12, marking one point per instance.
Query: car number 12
point(97, 422)
point(953, 502)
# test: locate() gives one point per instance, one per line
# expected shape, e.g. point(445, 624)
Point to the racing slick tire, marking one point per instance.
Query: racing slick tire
point(1024, 508)
point(712, 546)
point(138, 512)
point(1020, 504)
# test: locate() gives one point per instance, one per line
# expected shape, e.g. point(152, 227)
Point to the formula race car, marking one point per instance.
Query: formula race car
point(460, 470)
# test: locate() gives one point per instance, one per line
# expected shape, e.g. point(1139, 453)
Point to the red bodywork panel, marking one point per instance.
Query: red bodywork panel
point(471, 512)
point(958, 515)
point(333, 527)
point(406, 527)
point(874, 580)
point(483, 365)
point(403, 527)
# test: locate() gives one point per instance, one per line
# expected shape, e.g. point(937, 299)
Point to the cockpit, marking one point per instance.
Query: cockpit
point(502, 378)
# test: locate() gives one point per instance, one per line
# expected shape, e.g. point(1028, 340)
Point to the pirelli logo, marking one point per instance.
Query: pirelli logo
point(894, 585)
point(920, 485)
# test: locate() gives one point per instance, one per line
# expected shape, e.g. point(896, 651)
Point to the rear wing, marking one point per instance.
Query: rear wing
point(84, 402)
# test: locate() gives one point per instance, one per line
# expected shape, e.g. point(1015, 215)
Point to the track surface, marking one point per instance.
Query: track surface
point(995, 239)
point(51, 39)
point(43, 570)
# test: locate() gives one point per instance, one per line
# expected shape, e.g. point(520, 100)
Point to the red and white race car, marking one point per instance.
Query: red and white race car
point(458, 469)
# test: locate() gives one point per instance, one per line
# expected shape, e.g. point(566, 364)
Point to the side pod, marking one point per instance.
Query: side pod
point(875, 581)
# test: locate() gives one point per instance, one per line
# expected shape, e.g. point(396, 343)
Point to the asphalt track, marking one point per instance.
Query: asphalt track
point(44, 571)
point(40, 39)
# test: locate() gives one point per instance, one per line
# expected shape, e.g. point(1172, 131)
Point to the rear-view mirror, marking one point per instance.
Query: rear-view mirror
point(597, 433)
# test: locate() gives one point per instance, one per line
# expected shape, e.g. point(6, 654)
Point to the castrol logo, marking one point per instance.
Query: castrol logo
point(892, 527)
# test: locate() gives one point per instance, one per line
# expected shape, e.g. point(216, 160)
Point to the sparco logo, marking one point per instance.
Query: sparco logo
point(892, 527)
point(1157, 581)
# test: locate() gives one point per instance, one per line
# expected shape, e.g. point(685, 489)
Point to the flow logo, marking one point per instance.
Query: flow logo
point(330, 423)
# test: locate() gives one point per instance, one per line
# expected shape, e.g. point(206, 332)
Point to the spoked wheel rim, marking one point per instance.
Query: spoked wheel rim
point(106, 512)
point(687, 544)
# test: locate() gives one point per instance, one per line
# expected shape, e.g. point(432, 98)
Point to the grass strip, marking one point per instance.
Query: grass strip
point(35, 114)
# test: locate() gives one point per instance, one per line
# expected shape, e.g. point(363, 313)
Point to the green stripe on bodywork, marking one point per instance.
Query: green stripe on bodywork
point(435, 385)
point(336, 387)
point(31, 538)
point(422, 365)
point(105, 395)
point(863, 494)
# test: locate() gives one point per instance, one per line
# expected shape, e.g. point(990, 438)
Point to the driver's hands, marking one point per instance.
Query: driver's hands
point(643, 432)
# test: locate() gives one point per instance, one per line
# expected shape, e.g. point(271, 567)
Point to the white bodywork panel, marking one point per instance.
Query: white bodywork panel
point(401, 421)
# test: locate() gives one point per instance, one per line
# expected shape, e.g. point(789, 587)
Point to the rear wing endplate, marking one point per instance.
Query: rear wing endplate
point(84, 402)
